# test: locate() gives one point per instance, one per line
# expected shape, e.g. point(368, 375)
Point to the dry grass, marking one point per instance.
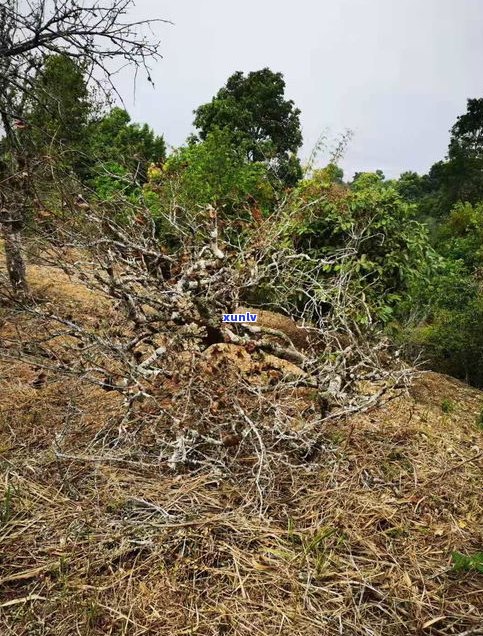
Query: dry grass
point(99, 536)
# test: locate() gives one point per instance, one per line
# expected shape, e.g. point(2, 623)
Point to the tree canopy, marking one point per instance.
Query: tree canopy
point(60, 103)
point(121, 146)
point(253, 108)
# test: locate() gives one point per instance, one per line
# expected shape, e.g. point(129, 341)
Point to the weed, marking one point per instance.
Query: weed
point(466, 563)
point(447, 406)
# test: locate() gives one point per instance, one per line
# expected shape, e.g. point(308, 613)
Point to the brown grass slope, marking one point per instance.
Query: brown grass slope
point(358, 542)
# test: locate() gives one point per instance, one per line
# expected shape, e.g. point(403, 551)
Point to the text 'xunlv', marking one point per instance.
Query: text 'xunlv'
point(240, 317)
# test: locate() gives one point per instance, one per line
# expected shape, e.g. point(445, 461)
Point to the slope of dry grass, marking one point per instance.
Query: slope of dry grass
point(354, 540)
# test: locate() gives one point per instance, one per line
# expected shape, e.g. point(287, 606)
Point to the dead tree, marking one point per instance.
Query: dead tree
point(94, 33)
point(158, 348)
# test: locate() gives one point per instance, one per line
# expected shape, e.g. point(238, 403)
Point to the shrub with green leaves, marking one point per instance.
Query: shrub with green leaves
point(213, 172)
point(445, 315)
point(261, 122)
point(461, 235)
point(453, 339)
point(387, 248)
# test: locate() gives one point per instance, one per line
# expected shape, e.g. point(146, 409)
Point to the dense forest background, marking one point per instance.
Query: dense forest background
point(416, 242)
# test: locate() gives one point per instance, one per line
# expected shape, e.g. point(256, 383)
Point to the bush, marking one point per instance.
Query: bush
point(385, 247)
point(454, 341)
point(210, 173)
point(446, 313)
point(214, 172)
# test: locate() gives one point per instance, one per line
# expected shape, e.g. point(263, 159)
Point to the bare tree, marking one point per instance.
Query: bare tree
point(94, 33)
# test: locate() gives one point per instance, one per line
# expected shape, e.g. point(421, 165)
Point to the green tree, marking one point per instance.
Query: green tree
point(412, 186)
point(212, 172)
point(364, 180)
point(463, 174)
point(121, 152)
point(360, 179)
point(261, 121)
point(467, 133)
point(460, 176)
point(332, 173)
point(60, 103)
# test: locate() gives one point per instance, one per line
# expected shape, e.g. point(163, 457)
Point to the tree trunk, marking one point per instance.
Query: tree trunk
point(15, 263)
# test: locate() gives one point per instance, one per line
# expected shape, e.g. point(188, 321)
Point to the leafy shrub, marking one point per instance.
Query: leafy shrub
point(461, 235)
point(217, 173)
point(387, 248)
point(454, 341)
point(210, 173)
point(446, 311)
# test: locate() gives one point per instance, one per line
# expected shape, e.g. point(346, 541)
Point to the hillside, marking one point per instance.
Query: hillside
point(241, 377)
point(100, 535)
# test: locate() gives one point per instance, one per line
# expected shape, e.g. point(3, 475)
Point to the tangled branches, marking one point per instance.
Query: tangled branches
point(93, 34)
point(195, 393)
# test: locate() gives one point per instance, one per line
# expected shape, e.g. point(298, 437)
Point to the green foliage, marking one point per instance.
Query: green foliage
point(411, 186)
point(388, 247)
point(446, 312)
point(447, 406)
point(466, 134)
point(59, 104)
point(330, 174)
point(453, 339)
point(460, 176)
point(214, 172)
point(260, 120)
point(467, 563)
point(461, 235)
point(447, 308)
point(121, 151)
point(364, 180)
point(113, 181)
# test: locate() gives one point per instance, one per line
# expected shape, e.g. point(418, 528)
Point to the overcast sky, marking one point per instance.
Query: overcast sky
point(396, 72)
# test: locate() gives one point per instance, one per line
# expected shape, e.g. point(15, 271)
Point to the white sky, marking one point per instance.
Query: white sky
point(396, 72)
